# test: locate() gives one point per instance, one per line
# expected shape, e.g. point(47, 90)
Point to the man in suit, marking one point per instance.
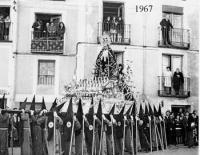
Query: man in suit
point(166, 25)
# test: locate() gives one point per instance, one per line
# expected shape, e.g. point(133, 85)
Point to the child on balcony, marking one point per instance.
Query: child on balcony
point(7, 27)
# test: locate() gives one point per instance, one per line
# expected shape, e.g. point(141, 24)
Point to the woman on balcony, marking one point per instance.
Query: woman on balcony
point(168, 80)
point(120, 29)
point(1, 27)
point(52, 30)
point(61, 30)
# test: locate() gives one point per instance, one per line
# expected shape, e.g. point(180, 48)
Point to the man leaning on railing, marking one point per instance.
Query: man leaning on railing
point(165, 27)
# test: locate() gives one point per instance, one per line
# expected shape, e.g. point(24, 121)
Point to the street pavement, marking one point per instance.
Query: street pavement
point(172, 150)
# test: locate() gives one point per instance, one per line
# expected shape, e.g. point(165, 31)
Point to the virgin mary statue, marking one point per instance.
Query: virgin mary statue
point(105, 63)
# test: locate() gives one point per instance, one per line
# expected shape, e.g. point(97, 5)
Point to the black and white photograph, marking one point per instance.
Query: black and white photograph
point(99, 77)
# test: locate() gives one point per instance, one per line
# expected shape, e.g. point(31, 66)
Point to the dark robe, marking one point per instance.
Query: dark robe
point(53, 142)
point(103, 64)
point(128, 137)
point(36, 132)
point(106, 25)
point(4, 123)
point(190, 130)
point(25, 135)
point(178, 80)
point(143, 132)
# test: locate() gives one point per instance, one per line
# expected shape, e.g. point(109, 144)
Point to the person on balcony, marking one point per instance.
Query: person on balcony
point(120, 29)
point(1, 27)
point(113, 29)
point(52, 30)
point(46, 30)
point(61, 30)
point(168, 80)
point(165, 27)
point(37, 29)
point(7, 26)
point(107, 24)
point(178, 80)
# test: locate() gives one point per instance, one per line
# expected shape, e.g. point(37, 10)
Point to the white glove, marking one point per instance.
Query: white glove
point(74, 118)
point(149, 117)
point(95, 117)
point(103, 116)
point(136, 117)
point(131, 118)
point(23, 111)
point(125, 118)
point(32, 112)
point(44, 111)
point(55, 114)
point(160, 118)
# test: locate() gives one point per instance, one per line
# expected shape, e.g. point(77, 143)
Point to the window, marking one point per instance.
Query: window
point(172, 61)
point(46, 72)
point(5, 23)
point(119, 56)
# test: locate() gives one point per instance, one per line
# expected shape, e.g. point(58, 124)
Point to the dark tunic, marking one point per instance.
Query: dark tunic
point(4, 123)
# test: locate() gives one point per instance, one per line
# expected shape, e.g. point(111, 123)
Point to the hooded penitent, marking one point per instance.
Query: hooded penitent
point(120, 123)
point(89, 130)
point(68, 121)
point(50, 120)
point(2, 106)
point(79, 116)
point(33, 104)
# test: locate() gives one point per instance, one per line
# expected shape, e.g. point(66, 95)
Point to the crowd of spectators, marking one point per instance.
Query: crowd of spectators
point(182, 128)
point(51, 30)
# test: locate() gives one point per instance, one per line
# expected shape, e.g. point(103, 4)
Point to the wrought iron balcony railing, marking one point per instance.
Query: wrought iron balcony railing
point(183, 92)
point(6, 31)
point(119, 34)
point(175, 38)
point(45, 79)
point(45, 42)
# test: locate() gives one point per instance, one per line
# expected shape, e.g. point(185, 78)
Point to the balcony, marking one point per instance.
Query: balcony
point(43, 42)
point(6, 30)
point(118, 35)
point(184, 91)
point(179, 38)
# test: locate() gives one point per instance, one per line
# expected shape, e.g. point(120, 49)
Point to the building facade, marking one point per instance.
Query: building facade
point(41, 63)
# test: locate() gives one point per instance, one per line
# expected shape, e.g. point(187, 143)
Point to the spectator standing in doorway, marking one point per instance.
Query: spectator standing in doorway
point(1, 27)
point(7, 27)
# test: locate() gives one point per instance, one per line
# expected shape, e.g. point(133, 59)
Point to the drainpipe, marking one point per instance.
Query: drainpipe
point(14, 47)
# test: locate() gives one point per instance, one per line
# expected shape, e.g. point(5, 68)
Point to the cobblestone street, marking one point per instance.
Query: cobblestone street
point(172, 150)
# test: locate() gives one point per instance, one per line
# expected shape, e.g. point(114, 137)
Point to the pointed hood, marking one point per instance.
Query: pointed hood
point(23, 105)
point(79, 114)
point(99, 111)
point(141, 113)
point(57, 109)
point(146, 110)
point(54, 104)
point(33, 104)
point(150, 110)
point(112, 111)
point(155, 111)
point(159, 111)
point(2, 106)
point(43, 104)
point(68, 120)
point(91, 110)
